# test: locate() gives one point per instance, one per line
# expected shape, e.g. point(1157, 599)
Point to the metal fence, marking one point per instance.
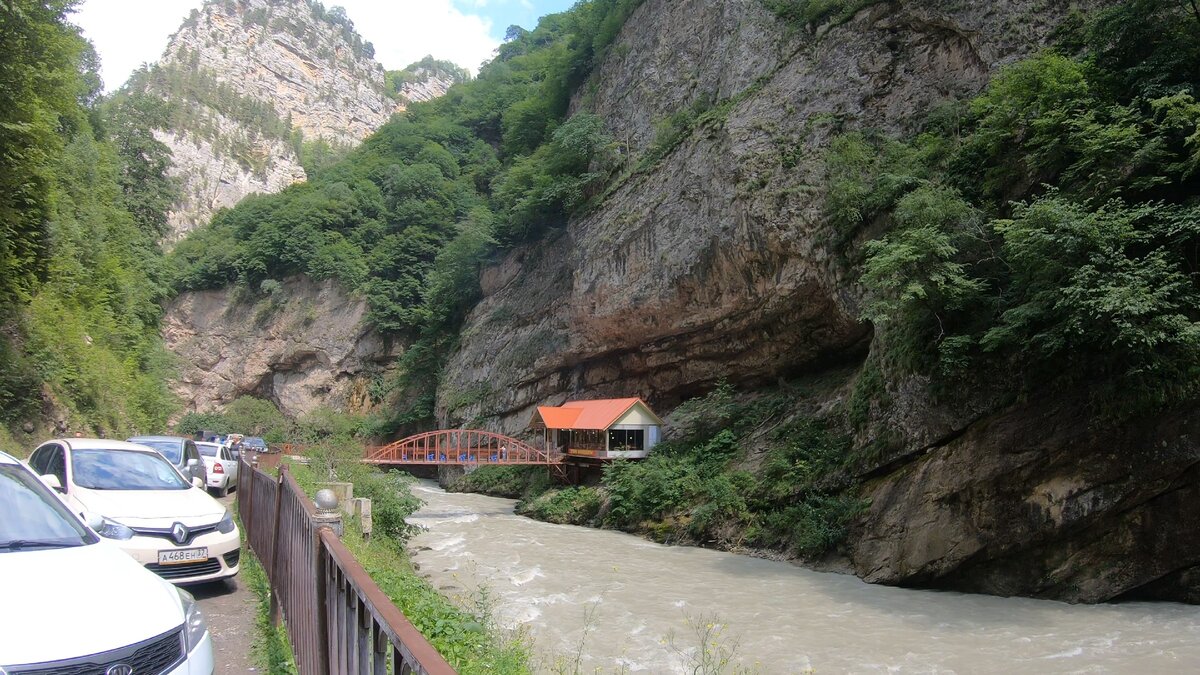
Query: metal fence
point(338, 619)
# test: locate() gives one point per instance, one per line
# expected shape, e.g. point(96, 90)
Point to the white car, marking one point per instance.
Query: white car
point(171, 526)
point(76, 603)
point(222, 467)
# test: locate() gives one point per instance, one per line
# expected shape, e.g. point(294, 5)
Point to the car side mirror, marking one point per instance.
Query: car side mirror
point(193, 463)
point(51, 481)
point(197, 482)
point(93, 520)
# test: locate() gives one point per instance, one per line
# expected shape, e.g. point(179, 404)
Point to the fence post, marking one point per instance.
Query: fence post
point(273, 581)
point(246, 469)
point(323, 664)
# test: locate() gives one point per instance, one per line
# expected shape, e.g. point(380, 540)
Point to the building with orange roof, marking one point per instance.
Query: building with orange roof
point(601, 429)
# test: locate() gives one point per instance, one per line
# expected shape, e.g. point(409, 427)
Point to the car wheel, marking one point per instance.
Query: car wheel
point(221, 492)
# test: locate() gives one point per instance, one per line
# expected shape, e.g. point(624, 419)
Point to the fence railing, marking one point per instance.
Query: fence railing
point(338, 619)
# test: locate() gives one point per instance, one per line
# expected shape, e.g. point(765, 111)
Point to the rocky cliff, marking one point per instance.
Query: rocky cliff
point(425, 80)
point(246, 82)
point(711, 263)
point(302, 345)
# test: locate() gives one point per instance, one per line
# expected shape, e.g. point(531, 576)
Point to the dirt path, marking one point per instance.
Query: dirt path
point(230, 607)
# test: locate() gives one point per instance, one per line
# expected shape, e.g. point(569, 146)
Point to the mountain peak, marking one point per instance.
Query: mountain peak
point(308, 62)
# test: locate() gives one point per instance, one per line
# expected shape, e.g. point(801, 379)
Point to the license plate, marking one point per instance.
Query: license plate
point(183, 555)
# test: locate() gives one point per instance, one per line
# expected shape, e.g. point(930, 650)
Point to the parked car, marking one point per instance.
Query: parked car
point(76, 603)
point(181, 452)
point(168, 524)
point(254, 444)
point(222, 467)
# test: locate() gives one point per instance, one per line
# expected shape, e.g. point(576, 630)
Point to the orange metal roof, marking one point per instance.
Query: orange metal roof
point(558, 418)
point(599, 414)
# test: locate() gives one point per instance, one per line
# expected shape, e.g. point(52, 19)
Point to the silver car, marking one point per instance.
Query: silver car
point(181, 452)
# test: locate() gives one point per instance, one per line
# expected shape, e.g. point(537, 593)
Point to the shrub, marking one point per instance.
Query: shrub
point(569, 506)
point(1050, 240)
point(193, 423)
point(512, 482)
point(649, 489)
point(19, 384)
point(810, 527)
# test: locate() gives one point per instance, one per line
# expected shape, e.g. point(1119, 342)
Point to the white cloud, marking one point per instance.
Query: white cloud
point(403, 31)
point(128, 33)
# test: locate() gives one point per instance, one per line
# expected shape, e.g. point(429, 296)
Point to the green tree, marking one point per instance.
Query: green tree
point(39, 94)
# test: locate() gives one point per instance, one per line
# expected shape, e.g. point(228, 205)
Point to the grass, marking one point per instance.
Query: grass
point(272, 651)
point(463, 632)
point(10, 445)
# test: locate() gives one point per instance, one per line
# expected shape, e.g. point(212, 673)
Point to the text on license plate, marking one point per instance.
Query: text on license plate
point(183, 555)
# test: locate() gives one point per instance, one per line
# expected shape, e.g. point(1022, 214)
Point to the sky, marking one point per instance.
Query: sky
point(128, 33)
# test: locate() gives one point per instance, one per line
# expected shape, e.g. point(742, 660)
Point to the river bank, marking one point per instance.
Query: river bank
point(622, 603)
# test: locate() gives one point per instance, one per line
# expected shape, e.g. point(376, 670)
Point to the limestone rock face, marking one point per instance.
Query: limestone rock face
point(240, 76)
point(714, 262)
point(211, 180)
point(304, 347)
point(1043, 500)
point(428, 85)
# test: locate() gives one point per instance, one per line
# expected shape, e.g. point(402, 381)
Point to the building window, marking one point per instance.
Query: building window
point(624, 440)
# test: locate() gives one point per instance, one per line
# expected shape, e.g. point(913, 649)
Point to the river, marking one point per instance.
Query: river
point(636, 606)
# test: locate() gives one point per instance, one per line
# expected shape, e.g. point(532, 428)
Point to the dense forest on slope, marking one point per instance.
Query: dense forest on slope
point(83, 199)
point(1045, 233)
point(407, 217)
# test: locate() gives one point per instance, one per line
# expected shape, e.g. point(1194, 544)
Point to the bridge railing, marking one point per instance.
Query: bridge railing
point(460, 446)
point(338, 619)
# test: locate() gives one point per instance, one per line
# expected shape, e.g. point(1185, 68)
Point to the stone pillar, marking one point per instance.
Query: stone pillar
point(449, 473)
point(328, 513)
point(362, 511)
point(344, 493)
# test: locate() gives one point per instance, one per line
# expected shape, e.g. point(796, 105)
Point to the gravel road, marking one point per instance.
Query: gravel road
point(230, 606)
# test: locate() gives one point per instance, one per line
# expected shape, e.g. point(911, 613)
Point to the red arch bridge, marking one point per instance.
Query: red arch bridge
point(461, 446)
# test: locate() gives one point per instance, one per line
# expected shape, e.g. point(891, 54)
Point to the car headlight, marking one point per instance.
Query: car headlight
point(226, 525)
point(111, 529)
point(194, 624)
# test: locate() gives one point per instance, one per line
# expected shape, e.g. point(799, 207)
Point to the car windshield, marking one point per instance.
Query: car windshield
point(172, 450)
point(207, 449)
point(255, 442)
point(124, 470)
point(33, 517)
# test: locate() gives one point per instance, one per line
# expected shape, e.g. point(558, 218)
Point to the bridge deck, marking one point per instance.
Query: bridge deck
point(465, 457)
point(460, 447)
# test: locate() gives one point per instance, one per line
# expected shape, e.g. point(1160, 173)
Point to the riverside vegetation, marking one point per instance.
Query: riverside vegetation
point(461, 630)
point(739, 472)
